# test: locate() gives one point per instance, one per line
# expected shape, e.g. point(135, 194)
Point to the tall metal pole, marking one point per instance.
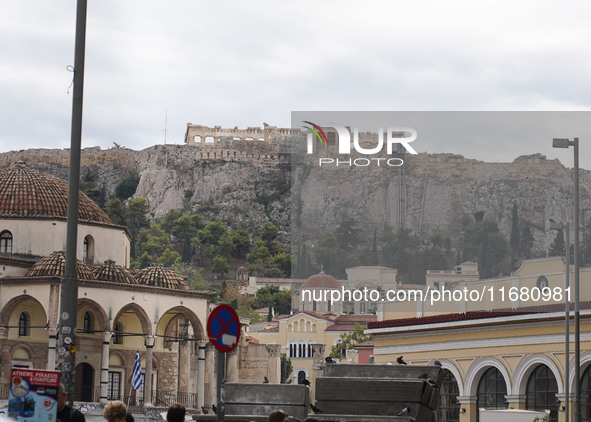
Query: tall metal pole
point(221, 386)
point(567, 328)
point(69, 286)
point(577, 299)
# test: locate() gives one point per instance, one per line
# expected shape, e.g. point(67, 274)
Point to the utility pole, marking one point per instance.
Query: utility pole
point(69, 286)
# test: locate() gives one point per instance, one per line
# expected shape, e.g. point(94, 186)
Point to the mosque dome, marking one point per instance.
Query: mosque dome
point(321, 280)
point(25, 192)
point(158, 275)
point(110, 271)
point(54, 266)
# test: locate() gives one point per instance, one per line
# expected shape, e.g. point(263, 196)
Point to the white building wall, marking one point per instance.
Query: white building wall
point(42, 237)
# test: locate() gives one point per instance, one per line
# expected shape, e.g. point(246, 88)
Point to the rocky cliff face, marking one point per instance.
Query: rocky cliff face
point(247, 183)
point(241, 182)
point(441, 193)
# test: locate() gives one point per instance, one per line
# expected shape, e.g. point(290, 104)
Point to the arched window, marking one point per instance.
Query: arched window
point(88, 326)
point(448, 410)
point(21, 359)
point(492, 390)
point(118, 333)
point(6, 242)
point(541, 391)
point(24, 324)
point(88, 250)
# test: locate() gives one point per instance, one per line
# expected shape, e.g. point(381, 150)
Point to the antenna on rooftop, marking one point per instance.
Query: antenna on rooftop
point(165, 124)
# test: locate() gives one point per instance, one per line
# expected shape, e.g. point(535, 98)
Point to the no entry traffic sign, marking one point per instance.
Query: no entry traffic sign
point(223, 328)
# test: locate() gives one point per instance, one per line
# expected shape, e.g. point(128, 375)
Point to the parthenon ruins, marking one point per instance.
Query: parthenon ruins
point(200, 135)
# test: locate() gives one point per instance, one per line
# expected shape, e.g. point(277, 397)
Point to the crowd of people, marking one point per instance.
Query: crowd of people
point(116, 411)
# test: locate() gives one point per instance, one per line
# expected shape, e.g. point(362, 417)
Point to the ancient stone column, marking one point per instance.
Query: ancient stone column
point(274, 363)
point(4, 356)
point(148, 371)
point(184, 366)
point(210, 378)
point(51, 349)
point(317, 363)
point(105, 366)
point(201, 374)
point(232, 366)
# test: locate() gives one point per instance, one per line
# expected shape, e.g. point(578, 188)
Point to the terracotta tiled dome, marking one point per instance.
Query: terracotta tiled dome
point(54, 265)
point(110, 271)
point(159, 276)
point(321, 280)
point(25, 192)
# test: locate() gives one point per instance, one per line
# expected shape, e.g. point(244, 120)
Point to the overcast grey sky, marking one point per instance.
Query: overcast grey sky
point(244, 63)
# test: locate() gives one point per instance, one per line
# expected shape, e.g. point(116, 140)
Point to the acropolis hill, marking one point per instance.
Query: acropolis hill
point(246, 182)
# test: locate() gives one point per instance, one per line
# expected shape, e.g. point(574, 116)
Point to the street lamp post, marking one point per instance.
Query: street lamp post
point(560, 226)
point(565, 143)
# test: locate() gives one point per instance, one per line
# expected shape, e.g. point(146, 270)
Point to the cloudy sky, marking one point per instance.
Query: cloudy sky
point(245, 63)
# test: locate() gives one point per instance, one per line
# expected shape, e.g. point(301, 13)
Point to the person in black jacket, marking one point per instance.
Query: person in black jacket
point(65, 413)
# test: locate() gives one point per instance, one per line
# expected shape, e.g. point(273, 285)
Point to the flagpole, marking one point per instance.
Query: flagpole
point(136, 376)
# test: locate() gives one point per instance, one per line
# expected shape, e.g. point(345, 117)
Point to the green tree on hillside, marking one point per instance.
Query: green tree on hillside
point(136, 220)
point(484, 241)
point(184, 229)
point(348, 341)
point(117, 212)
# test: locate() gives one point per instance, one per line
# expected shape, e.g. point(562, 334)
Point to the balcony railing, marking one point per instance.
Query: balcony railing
point(159, 399)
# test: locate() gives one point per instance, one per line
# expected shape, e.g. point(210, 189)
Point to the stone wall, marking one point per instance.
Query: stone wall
point(257, 361)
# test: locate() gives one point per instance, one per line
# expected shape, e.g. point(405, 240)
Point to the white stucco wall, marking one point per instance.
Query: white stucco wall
point(42, 237)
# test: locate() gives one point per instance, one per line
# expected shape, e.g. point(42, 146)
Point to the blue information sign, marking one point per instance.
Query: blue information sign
point(223, 328)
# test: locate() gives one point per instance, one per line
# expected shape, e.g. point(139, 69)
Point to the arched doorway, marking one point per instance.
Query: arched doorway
point(301, 377)
point(448, 410)
point(492, 390)
point(586, 395)
point(84, 383)
point(541, 391)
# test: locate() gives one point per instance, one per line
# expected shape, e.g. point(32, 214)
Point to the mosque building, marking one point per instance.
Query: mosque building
point(119, 312)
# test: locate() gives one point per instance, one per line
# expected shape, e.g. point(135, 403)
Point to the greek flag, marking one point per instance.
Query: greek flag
point(136, 377)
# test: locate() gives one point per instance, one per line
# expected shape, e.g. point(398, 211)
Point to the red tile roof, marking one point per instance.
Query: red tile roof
point(54, 266)
point(25, 192)
point(268, 280)
point(160, 276)
point(321, 280)
point(472, 316)
point(356, 318)
point(310, 313)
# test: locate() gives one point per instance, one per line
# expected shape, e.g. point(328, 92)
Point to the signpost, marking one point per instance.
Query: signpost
point(223, 330)
point(33, 395)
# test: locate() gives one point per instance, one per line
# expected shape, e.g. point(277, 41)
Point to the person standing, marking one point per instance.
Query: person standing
point(66, 413)
point(176, 413)
point(115, 411)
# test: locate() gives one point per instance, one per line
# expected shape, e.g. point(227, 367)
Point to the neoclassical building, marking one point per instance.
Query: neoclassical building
point(152, 311)
point(497, 353)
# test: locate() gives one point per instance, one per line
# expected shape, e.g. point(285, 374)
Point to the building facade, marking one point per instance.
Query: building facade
point(119, 313)
point(497, 353)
